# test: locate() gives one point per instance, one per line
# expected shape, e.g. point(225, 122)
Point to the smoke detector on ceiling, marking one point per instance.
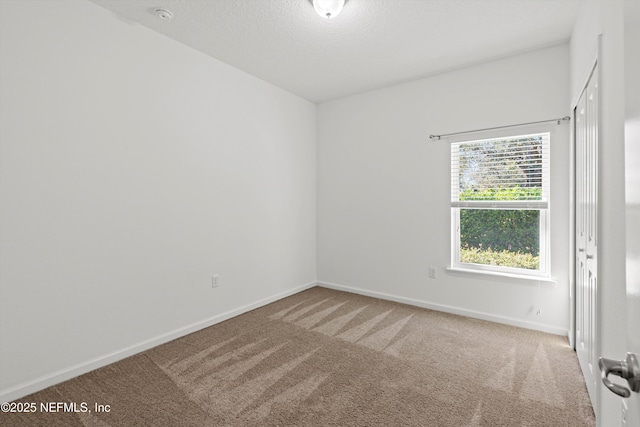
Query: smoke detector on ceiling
point(164, 14)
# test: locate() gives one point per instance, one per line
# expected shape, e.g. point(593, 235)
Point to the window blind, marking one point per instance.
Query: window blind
point(501, 173)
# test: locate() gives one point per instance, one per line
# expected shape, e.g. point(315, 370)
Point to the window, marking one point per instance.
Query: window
point(500, 204)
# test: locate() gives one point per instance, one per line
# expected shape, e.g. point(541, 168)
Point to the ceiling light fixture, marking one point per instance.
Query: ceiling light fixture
point(328, 8)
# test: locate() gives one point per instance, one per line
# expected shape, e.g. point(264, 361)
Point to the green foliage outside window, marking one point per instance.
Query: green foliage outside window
point(504, 237)
point(501, 258)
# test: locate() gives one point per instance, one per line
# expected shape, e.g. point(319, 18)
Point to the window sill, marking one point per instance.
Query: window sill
point(468, 272)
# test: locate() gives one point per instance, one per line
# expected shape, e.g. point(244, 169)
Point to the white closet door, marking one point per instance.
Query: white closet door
point(586, 151)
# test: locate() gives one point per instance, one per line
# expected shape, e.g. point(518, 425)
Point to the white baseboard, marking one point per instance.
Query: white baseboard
point(65, 374)
point(449, 309)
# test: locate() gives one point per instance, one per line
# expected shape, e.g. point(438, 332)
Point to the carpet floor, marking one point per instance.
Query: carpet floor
point(329, 358)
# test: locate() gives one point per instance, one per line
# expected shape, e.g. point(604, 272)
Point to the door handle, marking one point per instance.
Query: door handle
point(629, 369)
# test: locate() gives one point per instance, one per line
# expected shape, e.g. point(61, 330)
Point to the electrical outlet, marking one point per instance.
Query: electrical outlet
point(432, 272)
point(215, 281)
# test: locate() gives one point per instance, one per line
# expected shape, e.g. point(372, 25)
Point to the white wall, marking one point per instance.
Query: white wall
point(606, 18)
point(384, 187)
point(132, 169)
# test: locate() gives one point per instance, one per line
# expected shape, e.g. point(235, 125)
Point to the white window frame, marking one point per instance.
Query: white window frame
point(544, 269)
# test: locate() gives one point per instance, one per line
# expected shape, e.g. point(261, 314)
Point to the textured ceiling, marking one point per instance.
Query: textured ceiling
point(371, 44)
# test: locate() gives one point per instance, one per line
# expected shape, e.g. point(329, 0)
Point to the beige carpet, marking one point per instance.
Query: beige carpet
point(329, 358)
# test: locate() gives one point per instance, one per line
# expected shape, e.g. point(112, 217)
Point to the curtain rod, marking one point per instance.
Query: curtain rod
point(562, 119)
